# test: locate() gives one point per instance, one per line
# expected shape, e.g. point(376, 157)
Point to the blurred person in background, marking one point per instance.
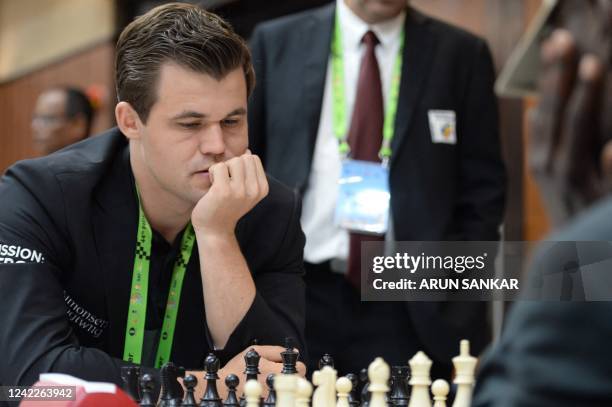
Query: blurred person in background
point(557, 353)
point(62, 116)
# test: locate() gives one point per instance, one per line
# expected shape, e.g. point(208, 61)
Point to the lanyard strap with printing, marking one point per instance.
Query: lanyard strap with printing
point(134, 331)
point(339, 102)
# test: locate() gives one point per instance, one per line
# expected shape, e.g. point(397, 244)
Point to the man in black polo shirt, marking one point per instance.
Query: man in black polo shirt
point(160, 240)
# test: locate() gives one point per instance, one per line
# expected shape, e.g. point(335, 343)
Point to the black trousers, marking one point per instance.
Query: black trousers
point(354, 333)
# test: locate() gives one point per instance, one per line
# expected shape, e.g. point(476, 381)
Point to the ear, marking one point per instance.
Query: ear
point(128, 120)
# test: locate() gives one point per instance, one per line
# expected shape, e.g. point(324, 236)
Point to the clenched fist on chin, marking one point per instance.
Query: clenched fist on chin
point(237, 186)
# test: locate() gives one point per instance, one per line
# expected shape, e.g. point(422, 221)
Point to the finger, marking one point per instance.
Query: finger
point(301, 368)
point(540, 118)
point(606, 159)
point(558, 74)
point(606, 166)
point(580, 152)
point(606, 107)
point(219, 174)
point(583, 141)
point(236, 171)
point(262, 179)
point(270, 352)
point(269, 366)
point(251, 183)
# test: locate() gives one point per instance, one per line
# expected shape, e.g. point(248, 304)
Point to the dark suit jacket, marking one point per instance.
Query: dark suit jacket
point(438, 191)
point(555, 353)
point(64, 309)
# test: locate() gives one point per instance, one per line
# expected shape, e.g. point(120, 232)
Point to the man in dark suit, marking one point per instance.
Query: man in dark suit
point(443, 186)
point(160, 240)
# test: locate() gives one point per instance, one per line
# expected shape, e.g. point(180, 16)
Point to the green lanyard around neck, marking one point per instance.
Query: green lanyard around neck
point(137, 312)
point(339, 102)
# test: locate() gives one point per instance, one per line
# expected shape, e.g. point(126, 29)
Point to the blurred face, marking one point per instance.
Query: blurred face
point(195, 122)
point(51, 129)
point(376, 11)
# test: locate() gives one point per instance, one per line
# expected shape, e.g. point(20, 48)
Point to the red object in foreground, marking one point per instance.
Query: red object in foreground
point(68, 391)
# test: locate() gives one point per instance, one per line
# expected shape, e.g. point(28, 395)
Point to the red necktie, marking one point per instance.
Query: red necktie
point(365, 137)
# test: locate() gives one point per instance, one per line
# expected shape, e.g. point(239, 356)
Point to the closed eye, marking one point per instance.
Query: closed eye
point(190, 126)
point(231, 122)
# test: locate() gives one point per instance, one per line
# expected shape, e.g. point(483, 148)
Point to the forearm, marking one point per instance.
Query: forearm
point(227, 284)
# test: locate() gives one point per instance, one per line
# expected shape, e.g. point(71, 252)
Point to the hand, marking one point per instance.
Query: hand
point(270, 362)
point(568, 154)
point(237, 186)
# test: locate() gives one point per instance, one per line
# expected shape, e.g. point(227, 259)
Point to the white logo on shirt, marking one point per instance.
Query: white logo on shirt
point(83, 318)
point(19, 254)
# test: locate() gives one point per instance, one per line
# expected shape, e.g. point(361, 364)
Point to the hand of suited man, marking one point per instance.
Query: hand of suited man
point(570, 152)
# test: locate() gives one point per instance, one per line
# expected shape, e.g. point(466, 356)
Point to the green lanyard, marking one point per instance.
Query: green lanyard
point(134, 330)
point(339, 103)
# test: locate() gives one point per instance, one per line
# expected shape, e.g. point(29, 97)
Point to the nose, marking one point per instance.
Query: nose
point(211, 141)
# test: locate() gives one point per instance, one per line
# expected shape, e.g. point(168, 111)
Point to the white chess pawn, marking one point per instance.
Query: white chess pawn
point(325, 393)
point(252, 393)
point(285, 386)
point(440, 389)
point(303, 393)
point(420, 365)
point(343, 387)
point(465, 366)
point(378, 373)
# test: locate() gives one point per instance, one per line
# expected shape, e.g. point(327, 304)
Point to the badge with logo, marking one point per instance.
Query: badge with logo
point(442, 126)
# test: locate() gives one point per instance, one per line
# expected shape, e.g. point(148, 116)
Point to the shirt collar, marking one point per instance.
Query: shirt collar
point(354, 28)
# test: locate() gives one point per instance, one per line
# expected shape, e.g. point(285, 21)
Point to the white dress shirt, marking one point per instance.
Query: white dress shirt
point(324, 240)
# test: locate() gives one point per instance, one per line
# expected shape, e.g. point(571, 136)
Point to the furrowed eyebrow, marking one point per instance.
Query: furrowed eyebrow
point(237, 112)
point(189, 114)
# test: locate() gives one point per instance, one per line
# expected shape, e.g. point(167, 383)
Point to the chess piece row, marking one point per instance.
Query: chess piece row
point(290, 390)
point(294, 391)
point(141, 388)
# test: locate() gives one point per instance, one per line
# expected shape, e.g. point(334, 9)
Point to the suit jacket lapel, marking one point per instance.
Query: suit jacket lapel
point(417, 56)
point(316, 36)
point(115, 223)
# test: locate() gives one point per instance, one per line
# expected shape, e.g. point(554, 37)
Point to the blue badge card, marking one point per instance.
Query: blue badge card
point(363, 197)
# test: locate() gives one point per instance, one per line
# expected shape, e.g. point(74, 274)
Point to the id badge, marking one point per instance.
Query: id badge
point(363, 197)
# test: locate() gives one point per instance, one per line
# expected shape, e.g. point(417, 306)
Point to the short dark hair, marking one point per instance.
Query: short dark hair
point(77, 103)
point(181, 33)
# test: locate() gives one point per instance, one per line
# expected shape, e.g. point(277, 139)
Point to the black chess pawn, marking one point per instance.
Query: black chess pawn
point(353, 397)
point(326, 360)
point(211, 395)
point(251, 361)
point(130, 376)
point(190, 382)
point(171, 390)
point(365, 392)
point(399, 394)
point(231, 381)
point(270, 401)
point(289, 357)
point(147, 385)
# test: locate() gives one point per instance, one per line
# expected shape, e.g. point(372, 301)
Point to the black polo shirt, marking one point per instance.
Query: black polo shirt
point(68, 226)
